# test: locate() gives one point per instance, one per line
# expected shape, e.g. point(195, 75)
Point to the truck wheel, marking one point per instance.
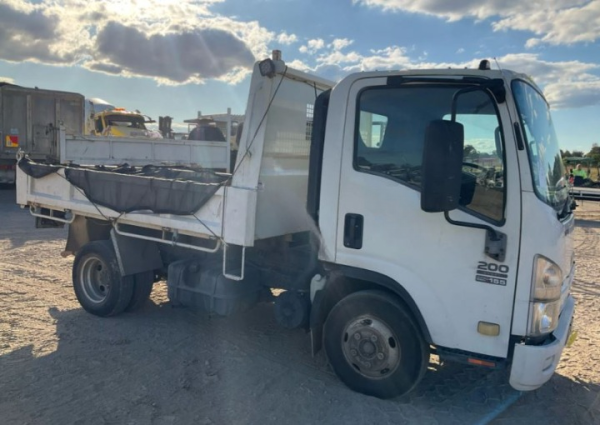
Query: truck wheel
point(142, 288)
point(374, 346)
point(97, 280)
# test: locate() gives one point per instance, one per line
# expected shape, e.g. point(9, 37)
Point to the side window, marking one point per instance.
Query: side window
point(483, 165)
point(390, 131)
point(388, 141)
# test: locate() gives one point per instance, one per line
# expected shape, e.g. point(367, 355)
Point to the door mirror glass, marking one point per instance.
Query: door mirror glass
point(442, 166)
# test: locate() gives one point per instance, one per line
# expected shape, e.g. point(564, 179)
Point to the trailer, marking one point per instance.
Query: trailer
point(28, 117)
point(357, 201)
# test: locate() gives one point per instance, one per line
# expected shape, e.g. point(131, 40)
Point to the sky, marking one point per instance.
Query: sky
point(177, 57)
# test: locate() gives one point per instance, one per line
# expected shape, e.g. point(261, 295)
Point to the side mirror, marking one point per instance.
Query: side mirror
point(441, 170)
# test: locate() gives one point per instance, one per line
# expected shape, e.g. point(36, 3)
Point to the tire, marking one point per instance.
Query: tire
point(97, 280)
point(374, 345)
point(142, 288)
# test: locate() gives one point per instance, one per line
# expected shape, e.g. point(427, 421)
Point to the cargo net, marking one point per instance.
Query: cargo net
point(124, 189)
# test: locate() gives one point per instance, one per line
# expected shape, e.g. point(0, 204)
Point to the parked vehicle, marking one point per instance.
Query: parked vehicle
point(118, 122)
point(29, 118)
point(94, 106)
point(352, 198)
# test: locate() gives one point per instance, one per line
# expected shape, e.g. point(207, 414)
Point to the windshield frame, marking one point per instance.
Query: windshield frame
point(555, 202)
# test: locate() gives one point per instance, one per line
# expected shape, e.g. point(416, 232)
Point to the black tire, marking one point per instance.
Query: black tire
point(348, 330)
point(142, 288)
point(97, 280)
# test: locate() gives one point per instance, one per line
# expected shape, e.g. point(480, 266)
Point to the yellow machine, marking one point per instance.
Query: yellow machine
point(118, 122)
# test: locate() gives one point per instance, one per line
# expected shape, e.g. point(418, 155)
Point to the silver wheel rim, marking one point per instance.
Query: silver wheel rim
point(95, 280)
point(370, 346)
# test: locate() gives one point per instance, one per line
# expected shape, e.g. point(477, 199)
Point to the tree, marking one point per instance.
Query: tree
point(577, 154)
point(469, 151)
point(594, 154)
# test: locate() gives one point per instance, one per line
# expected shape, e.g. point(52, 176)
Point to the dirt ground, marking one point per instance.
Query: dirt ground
point(60, 365)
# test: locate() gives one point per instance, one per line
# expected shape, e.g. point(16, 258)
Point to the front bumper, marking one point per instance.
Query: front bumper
point(534, 365)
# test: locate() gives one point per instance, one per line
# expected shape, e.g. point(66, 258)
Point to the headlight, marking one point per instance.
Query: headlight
point(547, 280)
point(544, 317)
point(545, 296)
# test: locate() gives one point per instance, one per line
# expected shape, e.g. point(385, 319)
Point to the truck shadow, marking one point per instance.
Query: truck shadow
point(17, 224)
point(167, 366)
point(588, 224)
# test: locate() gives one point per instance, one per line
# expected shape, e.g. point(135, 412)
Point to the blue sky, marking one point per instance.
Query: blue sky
point(172, 57)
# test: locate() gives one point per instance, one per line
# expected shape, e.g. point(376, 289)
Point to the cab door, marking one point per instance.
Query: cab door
point(382, 229)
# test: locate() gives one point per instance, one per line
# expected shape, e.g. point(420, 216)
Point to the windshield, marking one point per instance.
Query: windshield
point(547, 169)
point(125, 121)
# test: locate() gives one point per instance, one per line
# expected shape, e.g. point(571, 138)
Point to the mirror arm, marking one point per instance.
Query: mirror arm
point(495, 242)
point(495, 235)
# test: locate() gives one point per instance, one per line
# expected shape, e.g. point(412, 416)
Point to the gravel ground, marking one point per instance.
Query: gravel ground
point(59, 365)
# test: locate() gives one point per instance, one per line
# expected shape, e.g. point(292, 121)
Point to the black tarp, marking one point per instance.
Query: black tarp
point(35, 169)
point(162, 190)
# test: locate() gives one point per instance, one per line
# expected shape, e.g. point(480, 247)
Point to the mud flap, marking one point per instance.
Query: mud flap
point(135, 255)
point(316, 323)
point(82, 231)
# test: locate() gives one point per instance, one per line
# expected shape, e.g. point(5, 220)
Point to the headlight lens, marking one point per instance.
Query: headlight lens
point(544, 317)
point(547, 280)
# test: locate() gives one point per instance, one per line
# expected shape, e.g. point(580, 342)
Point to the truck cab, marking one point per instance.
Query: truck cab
point(119, 122)
point(484, 270)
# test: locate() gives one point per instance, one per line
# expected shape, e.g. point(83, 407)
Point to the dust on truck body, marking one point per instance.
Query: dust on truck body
point(29, 118)
point(365, 202)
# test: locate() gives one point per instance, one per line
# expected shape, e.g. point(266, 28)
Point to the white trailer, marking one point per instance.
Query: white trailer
point(585, 193)
point(357, 200)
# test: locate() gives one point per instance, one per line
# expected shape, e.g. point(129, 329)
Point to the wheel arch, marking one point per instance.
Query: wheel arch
point(83, 230)
point(345, 280)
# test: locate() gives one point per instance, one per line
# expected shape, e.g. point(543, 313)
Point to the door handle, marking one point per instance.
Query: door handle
point(353, 231)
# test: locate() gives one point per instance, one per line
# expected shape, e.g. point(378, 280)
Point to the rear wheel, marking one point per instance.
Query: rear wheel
point(97, 280)
point(142, 288)
point(374, 346)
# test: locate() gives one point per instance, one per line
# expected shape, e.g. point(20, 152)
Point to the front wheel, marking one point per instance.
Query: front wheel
point(374, 346)
point(97, 280)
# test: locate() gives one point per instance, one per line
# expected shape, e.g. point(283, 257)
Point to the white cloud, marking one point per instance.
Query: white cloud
point(287, 39)
point(168, 40)
point(312, 46)
point(299, 65)
point(28, 32)
point(7, 80)
point(392, 57)
point(573, 94)
point(558, 26)
point(567, 84)
point(340, 43)
point(175, 56)
point(553, 21)
point(459, 51)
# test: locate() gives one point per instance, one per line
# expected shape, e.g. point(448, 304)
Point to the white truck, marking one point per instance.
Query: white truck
point(354, 198)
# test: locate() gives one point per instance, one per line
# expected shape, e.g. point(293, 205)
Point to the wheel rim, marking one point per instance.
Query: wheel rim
point(95, 280)
point(371, 347)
